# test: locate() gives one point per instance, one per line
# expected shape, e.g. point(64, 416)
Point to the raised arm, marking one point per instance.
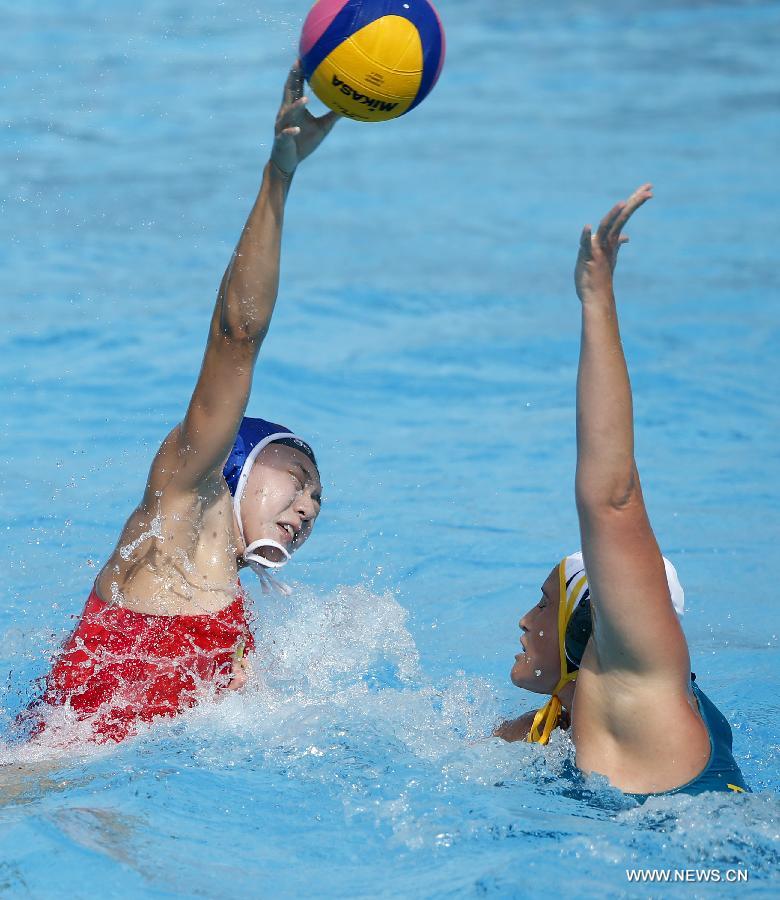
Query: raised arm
point(197, 448)
point(636, 630)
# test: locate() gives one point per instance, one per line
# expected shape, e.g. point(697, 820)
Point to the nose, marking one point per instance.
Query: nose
point(523, 623)
point(305, 507)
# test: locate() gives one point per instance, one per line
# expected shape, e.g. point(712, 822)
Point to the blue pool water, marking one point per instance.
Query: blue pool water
point(426, 340)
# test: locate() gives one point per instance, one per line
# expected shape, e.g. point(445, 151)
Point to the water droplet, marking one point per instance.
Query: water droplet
point(541, 634)
point(538, 673)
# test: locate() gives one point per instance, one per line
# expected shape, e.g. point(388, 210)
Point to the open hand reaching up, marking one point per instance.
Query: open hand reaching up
point(598, 252)
point(297, 133)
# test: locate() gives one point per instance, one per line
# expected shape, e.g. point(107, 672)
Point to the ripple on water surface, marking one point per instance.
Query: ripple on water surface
point(341, 732)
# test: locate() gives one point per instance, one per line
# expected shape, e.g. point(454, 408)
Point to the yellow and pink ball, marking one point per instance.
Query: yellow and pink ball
point(372, 60)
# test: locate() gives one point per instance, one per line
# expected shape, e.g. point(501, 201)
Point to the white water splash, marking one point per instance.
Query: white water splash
point(154, 532)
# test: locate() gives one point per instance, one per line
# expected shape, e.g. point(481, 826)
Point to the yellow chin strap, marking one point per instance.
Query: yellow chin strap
point(549, 716)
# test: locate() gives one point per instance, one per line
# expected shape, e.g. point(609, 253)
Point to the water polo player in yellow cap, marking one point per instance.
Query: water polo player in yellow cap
point(605, 640)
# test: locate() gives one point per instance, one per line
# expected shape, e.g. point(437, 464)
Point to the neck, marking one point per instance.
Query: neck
point(240, 543)
point(566, 696)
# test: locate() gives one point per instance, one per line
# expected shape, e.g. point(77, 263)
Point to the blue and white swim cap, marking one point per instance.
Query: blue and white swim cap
point(253, 436)
point(579, 625)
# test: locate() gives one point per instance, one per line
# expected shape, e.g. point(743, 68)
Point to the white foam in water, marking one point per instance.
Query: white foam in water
point(711, 826)
point(339, 707)
point(343, 662)
point(311, 650)
point(345, 657)
point(321, 640)
point(338, 698)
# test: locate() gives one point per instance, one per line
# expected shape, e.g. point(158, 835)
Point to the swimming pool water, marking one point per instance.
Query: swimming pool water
point(426, 341)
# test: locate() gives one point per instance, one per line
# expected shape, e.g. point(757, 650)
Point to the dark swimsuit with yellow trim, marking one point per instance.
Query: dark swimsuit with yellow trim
point(721, 772)
point(574, 631)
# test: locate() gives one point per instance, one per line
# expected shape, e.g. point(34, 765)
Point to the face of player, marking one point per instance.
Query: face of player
point(281, 501)
point(537, 668)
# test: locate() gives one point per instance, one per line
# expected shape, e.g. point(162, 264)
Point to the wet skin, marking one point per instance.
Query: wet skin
point(539, 641)
point(282, 499)
point(182, 555)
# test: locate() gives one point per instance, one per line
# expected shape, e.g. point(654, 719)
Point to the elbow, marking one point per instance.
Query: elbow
point(607, 495)
point(237, 319)
point(242, 335)
point(239, 331)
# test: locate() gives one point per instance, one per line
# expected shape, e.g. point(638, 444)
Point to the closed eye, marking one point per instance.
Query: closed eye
point(303, 478)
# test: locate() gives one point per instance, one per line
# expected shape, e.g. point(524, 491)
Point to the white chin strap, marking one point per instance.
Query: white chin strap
point(252, 557)
point(260, 566)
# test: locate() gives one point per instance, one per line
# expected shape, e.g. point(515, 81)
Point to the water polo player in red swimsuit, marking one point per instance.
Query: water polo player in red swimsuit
point(165, 623)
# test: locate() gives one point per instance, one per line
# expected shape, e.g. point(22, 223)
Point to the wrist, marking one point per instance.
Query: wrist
point(275, 171)
point(598, 299)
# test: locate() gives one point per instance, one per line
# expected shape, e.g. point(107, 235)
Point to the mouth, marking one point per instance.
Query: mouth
point(287, 532)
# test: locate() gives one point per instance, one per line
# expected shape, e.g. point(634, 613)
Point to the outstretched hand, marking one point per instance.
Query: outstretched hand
point(598, 252)
point(298, 133)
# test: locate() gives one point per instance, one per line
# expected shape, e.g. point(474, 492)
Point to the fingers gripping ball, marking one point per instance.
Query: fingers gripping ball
point(372, 60)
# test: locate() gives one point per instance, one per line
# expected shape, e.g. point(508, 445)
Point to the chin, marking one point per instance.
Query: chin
point(522, 676)
point(517, 674)
point(274, 555)
point(271, 553)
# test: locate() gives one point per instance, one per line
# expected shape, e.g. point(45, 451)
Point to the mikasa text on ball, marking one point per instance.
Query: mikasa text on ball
point(372, 60)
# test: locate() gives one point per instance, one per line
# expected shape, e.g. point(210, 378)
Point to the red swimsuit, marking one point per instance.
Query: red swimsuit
point(120, 668)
